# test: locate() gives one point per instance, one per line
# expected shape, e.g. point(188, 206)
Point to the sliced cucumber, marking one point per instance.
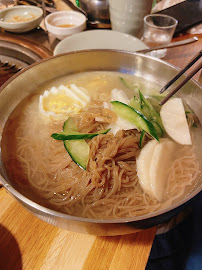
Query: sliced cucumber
point(134, 117)
point(142, 138)
point(135, 104)
point(75, 135)
point(69, 125)
point(148, 108)
point(158, 128)
point(154, 102)
point(78, 151)
point(145, 107)
point(128, 84)
point(74, 142)
point(70, 132)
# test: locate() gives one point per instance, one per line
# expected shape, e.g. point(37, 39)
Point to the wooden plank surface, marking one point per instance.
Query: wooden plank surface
point(29, 243)
point(181, 55)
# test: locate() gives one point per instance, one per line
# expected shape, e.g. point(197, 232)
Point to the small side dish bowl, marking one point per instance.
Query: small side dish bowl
point(62, 24)
point(20, 19)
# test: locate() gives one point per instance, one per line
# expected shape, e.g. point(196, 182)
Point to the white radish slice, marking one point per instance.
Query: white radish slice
point(119, 95)
point(120, 124)
point(159, 167)
point(175, 122)
point(143, 165)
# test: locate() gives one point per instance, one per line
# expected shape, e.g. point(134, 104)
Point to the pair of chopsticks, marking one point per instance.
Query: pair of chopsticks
point(189, 76)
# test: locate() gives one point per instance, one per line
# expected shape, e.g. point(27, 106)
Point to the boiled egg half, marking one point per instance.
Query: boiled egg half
point(63, 101)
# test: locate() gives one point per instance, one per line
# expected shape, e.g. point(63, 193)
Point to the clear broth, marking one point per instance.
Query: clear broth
point(99, 86)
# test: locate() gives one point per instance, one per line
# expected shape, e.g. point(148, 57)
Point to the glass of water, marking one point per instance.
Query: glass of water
point(158, 30)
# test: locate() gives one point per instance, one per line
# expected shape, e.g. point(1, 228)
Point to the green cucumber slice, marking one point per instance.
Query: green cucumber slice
point(134, 117)
point(158, 128)
point(78, 151)
point(75, 135)
point(142, 137)
point(74, 142)
point(149, 110)
point(70, 125)
point(135, 104)
point(128, 84)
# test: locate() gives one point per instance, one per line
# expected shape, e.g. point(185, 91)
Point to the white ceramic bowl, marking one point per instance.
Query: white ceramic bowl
point(20, 19)
point(99, 39)
point(62, 24)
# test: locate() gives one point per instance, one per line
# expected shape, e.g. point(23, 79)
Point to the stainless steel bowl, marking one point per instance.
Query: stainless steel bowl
point(154, 70)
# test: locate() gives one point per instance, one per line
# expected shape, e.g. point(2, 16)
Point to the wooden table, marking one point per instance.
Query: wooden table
point(181, 55)
point(29, 243)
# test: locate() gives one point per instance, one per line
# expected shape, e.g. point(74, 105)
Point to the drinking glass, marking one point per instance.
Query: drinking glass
point(158, 30)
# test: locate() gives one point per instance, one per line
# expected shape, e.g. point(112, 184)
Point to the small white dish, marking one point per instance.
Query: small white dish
point(20, 19)
point(62, 24)
point(99, 39)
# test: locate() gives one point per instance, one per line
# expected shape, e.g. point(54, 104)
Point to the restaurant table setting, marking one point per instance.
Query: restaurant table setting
point(62, 32)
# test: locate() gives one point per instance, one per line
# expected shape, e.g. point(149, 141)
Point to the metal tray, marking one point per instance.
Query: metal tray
point(17, 53)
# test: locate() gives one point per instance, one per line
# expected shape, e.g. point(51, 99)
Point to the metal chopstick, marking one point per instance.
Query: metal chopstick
point(193, 60)
point(189, 76)
point(170, 45)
